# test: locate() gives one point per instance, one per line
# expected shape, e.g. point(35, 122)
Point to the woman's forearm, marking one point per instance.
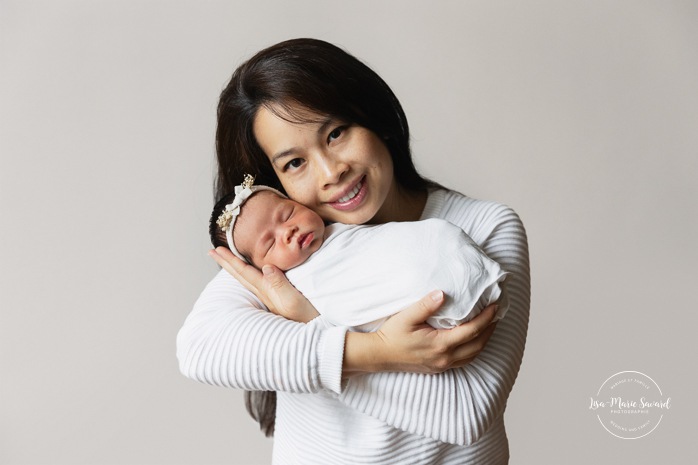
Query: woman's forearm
point(230, 340)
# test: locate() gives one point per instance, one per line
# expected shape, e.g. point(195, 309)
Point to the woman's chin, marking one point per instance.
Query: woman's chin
point(359, 216)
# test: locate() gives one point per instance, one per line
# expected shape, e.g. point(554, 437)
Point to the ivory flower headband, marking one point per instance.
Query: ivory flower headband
point(226, 221)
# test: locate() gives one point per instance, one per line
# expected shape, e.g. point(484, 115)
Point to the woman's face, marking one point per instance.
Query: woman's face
point(342, 171)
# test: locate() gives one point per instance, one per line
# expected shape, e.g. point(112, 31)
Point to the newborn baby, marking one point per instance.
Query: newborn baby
point(359, 275)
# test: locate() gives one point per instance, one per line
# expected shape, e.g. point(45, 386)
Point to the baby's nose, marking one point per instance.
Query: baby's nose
point(288, 233)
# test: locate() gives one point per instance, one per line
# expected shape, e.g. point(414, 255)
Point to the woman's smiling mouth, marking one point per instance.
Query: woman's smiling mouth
point(352, 198)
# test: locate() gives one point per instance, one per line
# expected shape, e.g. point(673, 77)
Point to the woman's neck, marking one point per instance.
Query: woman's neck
point(403, 205)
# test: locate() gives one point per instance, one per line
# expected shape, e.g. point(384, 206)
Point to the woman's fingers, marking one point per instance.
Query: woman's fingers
point(472, 329)
point(271, 287)
point(418, 313)
point(274, 279)
point(285, 299)
point(248, 275)
point(408, 343)
point(237, 267)
point(466, 353)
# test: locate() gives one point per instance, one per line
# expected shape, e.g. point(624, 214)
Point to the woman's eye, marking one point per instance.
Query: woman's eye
point(293, 164)
point(290, 213)
point(336, 132)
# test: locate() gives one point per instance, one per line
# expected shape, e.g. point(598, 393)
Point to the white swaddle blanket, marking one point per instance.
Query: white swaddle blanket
point(363, 274)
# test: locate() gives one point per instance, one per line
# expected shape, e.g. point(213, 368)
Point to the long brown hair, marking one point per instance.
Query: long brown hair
point(327, 80)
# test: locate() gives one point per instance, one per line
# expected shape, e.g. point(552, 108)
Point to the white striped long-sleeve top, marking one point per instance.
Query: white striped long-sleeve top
point(455, 417)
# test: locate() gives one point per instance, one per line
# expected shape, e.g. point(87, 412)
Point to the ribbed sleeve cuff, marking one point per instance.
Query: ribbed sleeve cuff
point(331, 355)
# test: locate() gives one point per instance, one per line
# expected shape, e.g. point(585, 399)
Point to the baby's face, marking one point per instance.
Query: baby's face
point(271, 230)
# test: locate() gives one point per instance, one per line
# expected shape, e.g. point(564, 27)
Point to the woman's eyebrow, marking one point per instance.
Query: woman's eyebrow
point(283, 154)
point(326, 123)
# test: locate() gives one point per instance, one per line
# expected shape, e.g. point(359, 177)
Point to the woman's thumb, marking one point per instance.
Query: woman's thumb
point(426, 306)
point(273, 277)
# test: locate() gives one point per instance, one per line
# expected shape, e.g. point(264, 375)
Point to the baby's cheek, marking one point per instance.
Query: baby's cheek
point(299, 258)
point(295, 258)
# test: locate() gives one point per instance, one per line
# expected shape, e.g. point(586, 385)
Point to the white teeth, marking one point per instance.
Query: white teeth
point(351, 194)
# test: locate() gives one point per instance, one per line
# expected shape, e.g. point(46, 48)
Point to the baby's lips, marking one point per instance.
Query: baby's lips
point(305, 239)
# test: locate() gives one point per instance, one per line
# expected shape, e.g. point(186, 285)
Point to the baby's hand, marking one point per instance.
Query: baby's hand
point(271, 287)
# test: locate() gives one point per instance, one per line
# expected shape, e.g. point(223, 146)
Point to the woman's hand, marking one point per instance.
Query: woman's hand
point(271, 286)
point(405, 342)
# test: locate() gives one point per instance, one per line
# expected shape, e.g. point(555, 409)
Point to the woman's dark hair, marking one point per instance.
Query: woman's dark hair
point(316, 76)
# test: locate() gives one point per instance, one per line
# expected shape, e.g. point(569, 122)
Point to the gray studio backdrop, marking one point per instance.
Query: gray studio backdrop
point(581, 115)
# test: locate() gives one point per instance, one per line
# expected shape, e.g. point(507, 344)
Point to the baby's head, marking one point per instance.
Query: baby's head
point(264, 227)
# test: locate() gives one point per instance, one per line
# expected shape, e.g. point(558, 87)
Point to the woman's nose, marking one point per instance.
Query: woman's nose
point(331, 170)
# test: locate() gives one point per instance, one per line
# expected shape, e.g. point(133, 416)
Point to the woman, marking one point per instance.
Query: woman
point(313, 121)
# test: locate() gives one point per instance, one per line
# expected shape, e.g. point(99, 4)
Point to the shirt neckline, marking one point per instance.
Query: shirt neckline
point(434, 204)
